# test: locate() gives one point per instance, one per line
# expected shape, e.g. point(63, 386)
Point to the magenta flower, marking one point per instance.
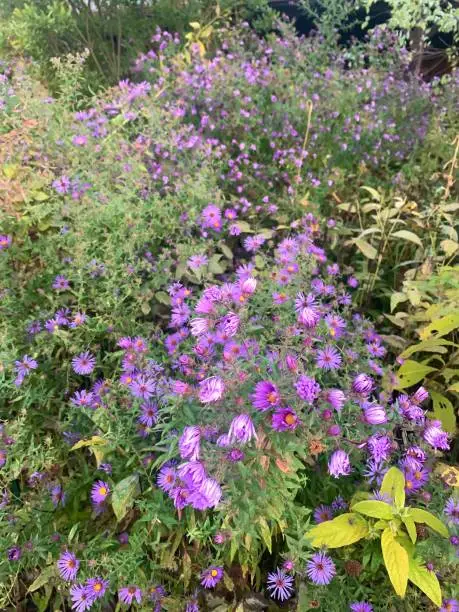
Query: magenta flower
point(361, 606)
point(128, 594)
point(81, 600)
point(68, 566)
point(211, 576)
point(192, 473)
point(84, 363)
point(207, 495)
point(211, 389)
point(328, 358)
point(307, 389)
point(435, 436)
point(242, 429)
point(320, 569)
point(362, 384)
point(5, 241)
point(189, 443)
point(374, 414)
point(280, 585)
point(420, 395)
point(284, 419)
point(266, 396)
point(96, 587)
point(336, 398)
point(339, 464)
point(309, 316)
point(99, 492)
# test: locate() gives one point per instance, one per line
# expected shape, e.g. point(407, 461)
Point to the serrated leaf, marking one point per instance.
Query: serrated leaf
point(94, 441)
point(46, 575)
point(422, 516)
point(375, 509)
point(441, 327)
point(407, 235)
point(124, 494)
point(410, 527)
point(411, 372)
point(443, 410)
point(425, 580)
point(396, 562)
point(265, 533)
point(343, 530)
point(393, 485)
point(366, 248)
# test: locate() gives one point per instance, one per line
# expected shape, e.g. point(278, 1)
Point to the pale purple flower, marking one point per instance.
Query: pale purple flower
point(451, 510)
point(61, 283)
point(84, 363)
point(68, 566)
point(167, 478)
point(128, 594)
point(374, 414)
point(142, 387)
point(328, 358)
point(211, 576)
point(362, 384)
point(207, 495)
point(336, 398)
point(189, 443)
point(320, 569)
point(192, 473)
point(211, 389)
point(339, 464)
point(361, 606)
point(280, 585)
point(81, 599)
point(242, 429)
point(435, 436)
point(99, 492)
point(197, 261)
point(96, 588)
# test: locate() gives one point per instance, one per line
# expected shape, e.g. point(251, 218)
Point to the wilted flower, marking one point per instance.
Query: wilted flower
point(339, 464)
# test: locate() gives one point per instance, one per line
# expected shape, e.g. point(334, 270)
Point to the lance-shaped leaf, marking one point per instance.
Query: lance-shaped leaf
point(375, 509)
point(393, 485)
point(422, 516)
point(343, 530)
point(425, 580)
point(124, 494)
point(94, 441)
point(410, 527)
point(396, 561)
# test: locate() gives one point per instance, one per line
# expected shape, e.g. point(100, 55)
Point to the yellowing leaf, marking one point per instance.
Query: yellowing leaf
point(393, 485)
point(124, 494)
point(454, 387)
point(375, 509)
point(448, 473)
point(422, 516)
point(425, 580)
point(265, 532)
point(443, 410)
point(397, 298)
point(411, 372)
point(366, 248)
point(396, 562)
point(94, 441)
point(433, 345)
point(195, 25)
point(449, 246)
point(344, 530)
point(406, 235)
point(442, 326)
point(410, 527)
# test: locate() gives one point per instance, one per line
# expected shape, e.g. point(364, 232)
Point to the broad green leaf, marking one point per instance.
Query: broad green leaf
point(94, 441)
point(410, 527)
point(441, 327)
point(393, 485)
point(227, 252)
point(397, 298)
point(375, 509)
point(422, 516)
point(425, 580)
point(244, 227)
point(396, 562)
point(163, 298)
point(443, 410)
point(124, 494)
point(381, 525)
point(411, 372)
point(46, 575)
point(406, 235)
point(454, 387)
point(366, 248)
point(433, 345)
point(344, 530)
point(265, 532)
point(375, 194)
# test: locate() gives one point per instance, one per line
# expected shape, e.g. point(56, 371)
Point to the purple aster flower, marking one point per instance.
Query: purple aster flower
point(211, 217)
point(309, 316)
point(189, 443)
point(241, 429)
point(211, 389)
point(208, 495)
point(82, 398)
point(99, 492)
point(84, 363)
point(192, 606)
point(451, 510)
point(96, 588)
point(81, 600)
point(328, 358)
point(3, 457)
point(336, 398)
point(149, 414)
point(320, 569)
point(323, 513)
point(197, 261)
point(142, 387)
point(128, 594)
point(420, 395)
point(68, 566)
point(339, 504)
point(229, 324)
point(363, 384)
point(235, 455)
point(167, 477)
point(266, 396)
point(280, 585)
point(80, 140)
point(14, 553)
point(5, 241)
point(192, 473)
point(156, 592)
point(435, 436)
point(24, 367)
point(61, 283)
point(374, 414)
point(78, 319)
point(361, 606)
point(374, 471)
point(379, 447)
point(449, 605)
point(339, 464)
point(284, 419)
point(307, 388)
point(57, 496)
point(211, 576)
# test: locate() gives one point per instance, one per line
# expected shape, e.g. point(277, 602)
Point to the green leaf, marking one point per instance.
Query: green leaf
point(227, 252)
point(343, 530)
point(411, 372)
point(366, 248)
point(454, 387)
point(396, 562)
point(195, 25)
point(410, 527)
point(163, 298)
point(441, 327)
point(443, 410)
point(433, 345)
point(397, 298)
point(393, 484)
point(375, 509)
point(265, 532)
point(244, 227)
point(94, 441)
point(449, 246)
point(46, 575)
point(124, 494)
point(215, 266)
point(406, 235)
point(422, 516)
point(425, 580)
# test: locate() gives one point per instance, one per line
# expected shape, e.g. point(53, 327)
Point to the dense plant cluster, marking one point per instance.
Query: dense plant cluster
point(192, 402)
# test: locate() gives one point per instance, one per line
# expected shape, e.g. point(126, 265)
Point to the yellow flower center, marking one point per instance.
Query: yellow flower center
point(103, 491)
point(214, 573)
point(272, 397)
point(98, 587)
point(290, 419)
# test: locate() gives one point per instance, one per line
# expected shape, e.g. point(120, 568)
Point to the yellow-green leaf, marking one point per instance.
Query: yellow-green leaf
point(442, 326)
point(393, 485)
point(410, 527)
point(449, 246)
point(448, 473)
point(411, 372)
point(94, 441)
point(406, 235)
point(343, 530)
point(454, 387)
point(422, 516)
point(397, 298)
point(366, 248)
point(443, 410)
point(265, 532)
point(396, 562)
point(195, 25)
point(45, 576)
point(425, 580)
point(124, 494)
point(433, 345)
point(375, 509)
